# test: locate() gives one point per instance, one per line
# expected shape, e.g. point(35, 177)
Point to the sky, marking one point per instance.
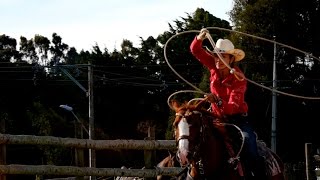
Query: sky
point(84, 23)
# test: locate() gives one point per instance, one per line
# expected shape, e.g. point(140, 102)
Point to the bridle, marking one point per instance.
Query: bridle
point(183, 118)
point(194, 154)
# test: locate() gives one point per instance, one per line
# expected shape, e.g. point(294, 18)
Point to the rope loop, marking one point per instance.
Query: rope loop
point(197, 90)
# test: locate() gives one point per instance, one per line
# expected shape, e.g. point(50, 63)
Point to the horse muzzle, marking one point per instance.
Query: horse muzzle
point(183, 152)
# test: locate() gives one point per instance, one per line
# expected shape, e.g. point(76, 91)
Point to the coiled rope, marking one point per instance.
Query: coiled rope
point(197, 90)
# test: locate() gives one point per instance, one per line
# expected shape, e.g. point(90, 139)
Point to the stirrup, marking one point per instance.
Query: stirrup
point(234, 162)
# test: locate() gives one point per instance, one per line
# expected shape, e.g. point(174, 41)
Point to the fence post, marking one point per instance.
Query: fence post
point(79, 152)
point(149, 155)
point(310, 170)
point(3, 147)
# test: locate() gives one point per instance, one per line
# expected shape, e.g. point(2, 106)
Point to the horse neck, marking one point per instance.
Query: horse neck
point(212, 153)
point(212, 149)
point(215, 162)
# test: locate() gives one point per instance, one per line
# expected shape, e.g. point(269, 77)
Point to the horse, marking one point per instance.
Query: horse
point(202, 148)
point(170, 161)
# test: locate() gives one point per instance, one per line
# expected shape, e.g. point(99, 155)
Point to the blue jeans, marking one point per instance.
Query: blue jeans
point(250, 149)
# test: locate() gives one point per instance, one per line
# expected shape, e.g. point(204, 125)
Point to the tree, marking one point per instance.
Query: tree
point(58, 50)
point(42, 45)
point(178, 50)
point(293, 23)
point(8, 50)
point(28, 50)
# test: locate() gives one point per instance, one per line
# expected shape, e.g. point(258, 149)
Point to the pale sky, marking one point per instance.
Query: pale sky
point(82, 23)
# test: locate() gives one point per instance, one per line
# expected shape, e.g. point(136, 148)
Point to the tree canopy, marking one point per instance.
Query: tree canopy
point(131, 85)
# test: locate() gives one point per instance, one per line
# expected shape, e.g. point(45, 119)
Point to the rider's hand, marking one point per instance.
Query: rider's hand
point(203, 34)
point(212, 98)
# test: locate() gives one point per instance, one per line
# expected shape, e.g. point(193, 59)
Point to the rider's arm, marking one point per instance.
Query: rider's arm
point(201, 54)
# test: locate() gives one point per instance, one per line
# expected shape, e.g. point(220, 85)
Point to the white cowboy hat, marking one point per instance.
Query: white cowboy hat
point(226, 46)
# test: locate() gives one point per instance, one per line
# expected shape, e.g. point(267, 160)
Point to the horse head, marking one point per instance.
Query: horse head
point(187, 125)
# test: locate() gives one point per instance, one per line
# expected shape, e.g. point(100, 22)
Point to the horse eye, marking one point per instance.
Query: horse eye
point(175, 124)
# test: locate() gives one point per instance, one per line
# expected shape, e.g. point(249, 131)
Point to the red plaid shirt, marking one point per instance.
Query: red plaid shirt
point(230, 90)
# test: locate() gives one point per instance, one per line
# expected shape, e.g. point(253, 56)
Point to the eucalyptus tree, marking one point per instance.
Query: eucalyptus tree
point(58, 50)
point(28, 50)
point(129, 52)
point(72, 56)
point(42, 45)
point(8, 51)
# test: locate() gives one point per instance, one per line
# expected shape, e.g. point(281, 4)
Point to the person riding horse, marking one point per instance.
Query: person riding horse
point(228, 87)
point(201, 148)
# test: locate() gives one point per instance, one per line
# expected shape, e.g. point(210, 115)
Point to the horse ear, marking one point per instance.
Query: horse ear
point(175, 105)
point(171, 154)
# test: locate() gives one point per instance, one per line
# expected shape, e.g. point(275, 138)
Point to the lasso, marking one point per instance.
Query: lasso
point(197, 90)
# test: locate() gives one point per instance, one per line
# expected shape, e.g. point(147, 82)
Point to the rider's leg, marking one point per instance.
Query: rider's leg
point(253, 160)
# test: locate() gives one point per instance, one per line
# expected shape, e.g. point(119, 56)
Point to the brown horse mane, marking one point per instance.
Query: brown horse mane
point(207, 115)
point(192, 107)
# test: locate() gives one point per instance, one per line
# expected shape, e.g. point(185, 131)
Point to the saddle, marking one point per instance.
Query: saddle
point(273, 163)
point(233, 140)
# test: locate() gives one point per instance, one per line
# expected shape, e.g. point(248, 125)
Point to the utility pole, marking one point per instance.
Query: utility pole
point(89, 94)
point(274, 102)
point(92, 156)
point(78, 133)
point(3, 147)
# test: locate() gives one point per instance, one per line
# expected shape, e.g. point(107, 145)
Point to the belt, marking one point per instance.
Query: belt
point(244, 114)
point(238, 118)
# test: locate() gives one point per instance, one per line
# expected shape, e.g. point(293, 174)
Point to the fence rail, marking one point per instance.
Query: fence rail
point(85, 171)
point(7, 139)
point(86, 143)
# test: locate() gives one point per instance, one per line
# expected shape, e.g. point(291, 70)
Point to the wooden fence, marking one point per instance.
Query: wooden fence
point(7, 139)
point(15, 169)
point(86, 143)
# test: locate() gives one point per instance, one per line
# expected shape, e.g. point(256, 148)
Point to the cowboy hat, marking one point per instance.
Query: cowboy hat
point(225, 46)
